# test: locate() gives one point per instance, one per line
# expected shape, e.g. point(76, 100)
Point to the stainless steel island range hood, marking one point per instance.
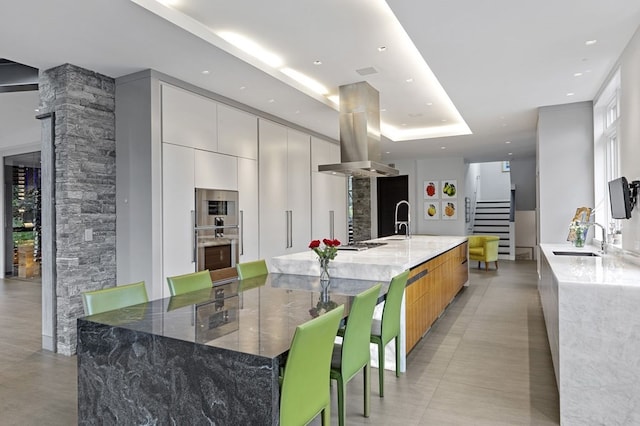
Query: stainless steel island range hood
point(359, 134)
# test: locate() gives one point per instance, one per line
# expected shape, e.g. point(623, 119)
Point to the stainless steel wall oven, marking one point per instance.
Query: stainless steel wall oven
point(216, 232)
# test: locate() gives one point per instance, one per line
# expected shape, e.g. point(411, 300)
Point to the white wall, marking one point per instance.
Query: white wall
point(495, 185)
point(565, 167)
point(452, 168)
point(18, 125)
point(630, 133)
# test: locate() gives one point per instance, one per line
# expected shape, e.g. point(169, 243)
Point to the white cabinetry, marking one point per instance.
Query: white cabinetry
point(188, 119)
point(329, 194)
point(178, 200)
point(248, 206)
point(216, 171)
point(237, 132)
point(285, 183)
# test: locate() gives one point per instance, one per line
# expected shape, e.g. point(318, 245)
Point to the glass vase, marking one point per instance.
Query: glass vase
point(324, 270)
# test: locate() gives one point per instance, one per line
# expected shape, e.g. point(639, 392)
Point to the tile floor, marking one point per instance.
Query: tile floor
point(486, 361)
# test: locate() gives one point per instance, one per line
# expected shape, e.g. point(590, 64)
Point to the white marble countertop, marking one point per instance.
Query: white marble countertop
point(380, 263)
point(604, 269)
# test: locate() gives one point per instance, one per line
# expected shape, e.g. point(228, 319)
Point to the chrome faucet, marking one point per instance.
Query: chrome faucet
point(407, 223)
point(603, 242)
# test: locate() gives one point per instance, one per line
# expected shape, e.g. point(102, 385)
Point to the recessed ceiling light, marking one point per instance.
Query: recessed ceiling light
point(271, 101)
point(511, 153)
point(206, 72)
point(507, 141)
point(590, 42)
point(37, 110)
point(383, 110)
point(577, 74)
point(444, 120)
point(388, 152)
point(382, 48)
point(403, 124)
point(443, 147)
point(243, 87)
point(570, 94)
point(409, 80)
point(429, 103)
point(317, 62)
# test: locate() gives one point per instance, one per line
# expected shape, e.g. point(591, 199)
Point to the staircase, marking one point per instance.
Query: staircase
point(492, 217)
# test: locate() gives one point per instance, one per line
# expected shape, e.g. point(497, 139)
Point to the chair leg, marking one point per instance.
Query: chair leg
point(381, 367)
point(326, 415)
point(397, 356)
point(367, 390)
point(478, 264)
point(486, 266)
point(342, 390)
point(496, 265)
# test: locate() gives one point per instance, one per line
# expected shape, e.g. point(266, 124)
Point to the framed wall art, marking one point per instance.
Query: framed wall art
point(449, 189)
point(430, 190)
point(432, 210)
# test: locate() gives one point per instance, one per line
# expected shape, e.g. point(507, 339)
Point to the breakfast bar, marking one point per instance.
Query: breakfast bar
point(210, 356)
point(439, 269)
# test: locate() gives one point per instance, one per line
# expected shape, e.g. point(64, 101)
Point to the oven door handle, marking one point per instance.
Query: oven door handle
point(241, 232)
point(194, 237)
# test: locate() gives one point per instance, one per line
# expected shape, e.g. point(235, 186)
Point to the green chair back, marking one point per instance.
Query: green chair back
point(252, 269)
point(111, 298)
point(390, 325)
point(305, 384)
point(181, 284)
point(354, 354)
point(392, 307)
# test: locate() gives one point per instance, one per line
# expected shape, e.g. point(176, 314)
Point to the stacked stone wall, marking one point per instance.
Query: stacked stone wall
point(361, 193)
point(85, 189)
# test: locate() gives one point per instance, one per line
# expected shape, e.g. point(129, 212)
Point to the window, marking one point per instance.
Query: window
point(606, 114)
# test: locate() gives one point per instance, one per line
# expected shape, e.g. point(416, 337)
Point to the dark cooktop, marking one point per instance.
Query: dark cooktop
point(360, 246)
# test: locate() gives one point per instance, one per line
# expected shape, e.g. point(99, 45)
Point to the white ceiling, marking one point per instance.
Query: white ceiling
point(498, 60)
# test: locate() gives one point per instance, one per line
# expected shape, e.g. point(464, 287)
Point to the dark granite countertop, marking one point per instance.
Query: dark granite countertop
point(256, 316)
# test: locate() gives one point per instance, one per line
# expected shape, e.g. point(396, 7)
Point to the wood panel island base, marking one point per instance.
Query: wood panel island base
point(439, 269)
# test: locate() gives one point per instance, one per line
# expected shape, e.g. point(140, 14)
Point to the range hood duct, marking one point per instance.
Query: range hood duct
point(359, 134)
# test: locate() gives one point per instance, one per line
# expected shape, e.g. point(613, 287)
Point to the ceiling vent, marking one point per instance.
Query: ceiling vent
point(367, 71)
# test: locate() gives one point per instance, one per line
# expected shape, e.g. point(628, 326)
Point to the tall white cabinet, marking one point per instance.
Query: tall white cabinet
point(178, 201)
point(329, 201)
point(284, 183)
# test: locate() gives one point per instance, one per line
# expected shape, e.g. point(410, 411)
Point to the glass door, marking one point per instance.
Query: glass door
point(22, 212)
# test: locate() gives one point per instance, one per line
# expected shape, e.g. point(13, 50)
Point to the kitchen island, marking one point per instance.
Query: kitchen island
point(210, 356)
point(590, 306)
point(439, 269)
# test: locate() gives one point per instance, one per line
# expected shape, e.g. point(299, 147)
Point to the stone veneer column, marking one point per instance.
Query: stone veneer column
point(85, 189)
point(361, 197)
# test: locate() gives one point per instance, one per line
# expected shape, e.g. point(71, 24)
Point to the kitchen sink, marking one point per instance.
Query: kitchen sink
point(576, 253)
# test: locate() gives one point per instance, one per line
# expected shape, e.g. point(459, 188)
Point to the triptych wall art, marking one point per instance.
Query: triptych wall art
point(440, 199)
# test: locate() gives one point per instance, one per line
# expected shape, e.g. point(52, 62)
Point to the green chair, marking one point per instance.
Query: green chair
point(252, 269)
point(108, 299)
point(353, 354)
point(382, 331)
point(181, 284)
point(304, 392)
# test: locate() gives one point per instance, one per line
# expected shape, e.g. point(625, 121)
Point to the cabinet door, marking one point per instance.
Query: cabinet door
point(272, 172)
point(237, 132)
point(328, 194)
point(188, 119)
point(299, 189)
point(248, 201)
point(178, 200)
point(216, 171)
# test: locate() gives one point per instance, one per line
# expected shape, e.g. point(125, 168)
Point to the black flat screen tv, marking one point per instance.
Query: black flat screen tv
point(620, 198)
